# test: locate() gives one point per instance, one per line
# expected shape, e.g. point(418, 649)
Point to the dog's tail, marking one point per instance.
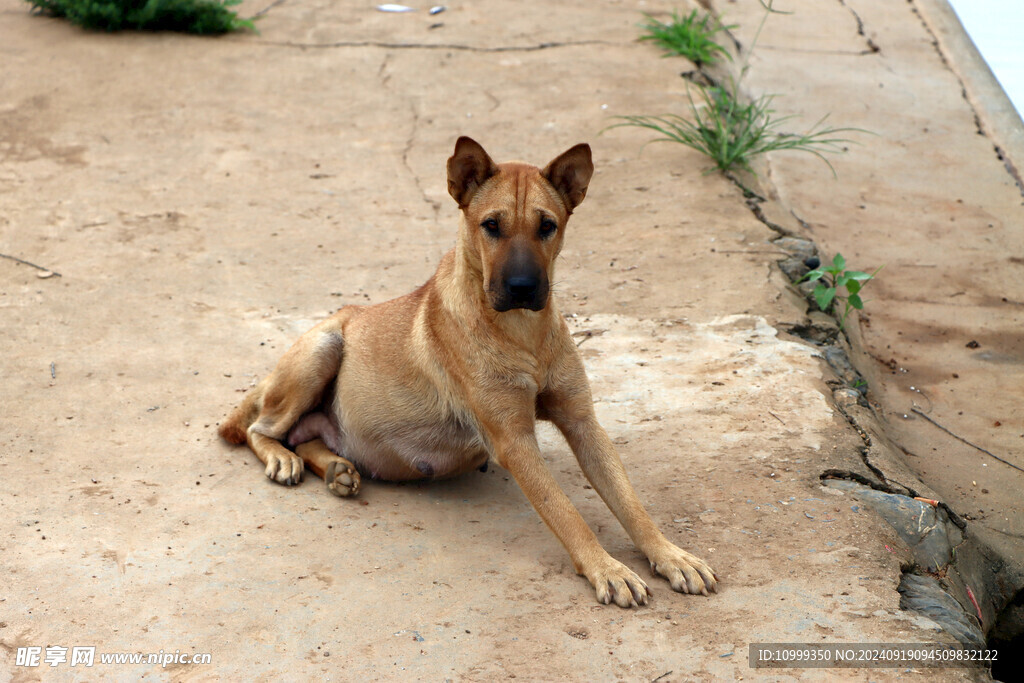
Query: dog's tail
point(241, 418)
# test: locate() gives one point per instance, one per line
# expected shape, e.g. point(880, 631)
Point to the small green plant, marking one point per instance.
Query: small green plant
point(732, 132)
point(190, 16)
point(689, 36)
point(831, 279)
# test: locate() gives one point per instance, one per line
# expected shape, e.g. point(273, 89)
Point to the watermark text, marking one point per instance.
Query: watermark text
point(86, 656)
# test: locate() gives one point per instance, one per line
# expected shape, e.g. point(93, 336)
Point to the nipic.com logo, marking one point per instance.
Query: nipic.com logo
point(86, 656)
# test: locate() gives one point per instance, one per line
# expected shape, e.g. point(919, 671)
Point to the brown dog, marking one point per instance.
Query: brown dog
point(433, 383)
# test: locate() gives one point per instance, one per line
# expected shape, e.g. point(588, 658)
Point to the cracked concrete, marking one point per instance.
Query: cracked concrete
point(436, 46)
point(435, 205)
point(218, 197)
point(872, 47)
point(998, 119)
point(979, 126)
point(935, 196)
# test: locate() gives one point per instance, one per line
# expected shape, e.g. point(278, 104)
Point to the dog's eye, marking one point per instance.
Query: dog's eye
point(547, 228)
point(492, 227)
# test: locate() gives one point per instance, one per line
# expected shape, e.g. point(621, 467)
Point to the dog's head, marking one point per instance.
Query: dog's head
point(515, 216)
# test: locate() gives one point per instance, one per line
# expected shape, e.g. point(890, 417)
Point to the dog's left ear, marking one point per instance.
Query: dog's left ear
point(469, 167)
point(570, 174)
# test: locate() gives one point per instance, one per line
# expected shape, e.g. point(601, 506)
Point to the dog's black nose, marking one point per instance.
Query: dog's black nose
point(522, 288)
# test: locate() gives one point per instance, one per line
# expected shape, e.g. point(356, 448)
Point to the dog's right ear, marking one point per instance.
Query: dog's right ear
point(469, 167)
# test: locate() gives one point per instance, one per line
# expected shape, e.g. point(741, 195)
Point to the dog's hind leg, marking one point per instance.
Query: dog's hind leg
point(318, 441)
point(339, 474)
point(294, 387)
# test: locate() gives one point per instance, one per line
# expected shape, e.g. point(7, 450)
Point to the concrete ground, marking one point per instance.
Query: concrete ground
point(934, 196)
point(187, 207)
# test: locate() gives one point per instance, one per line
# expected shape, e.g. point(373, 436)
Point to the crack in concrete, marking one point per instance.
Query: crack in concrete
point(865, 456)
point(434, 205)
point(753, 201)
point(872, 45)
point(849, 475)
point(811, 51)
point(267, 9)
point(754, 204)
point(989, 453)
point(885, 487)
point(495, 102)
point(44, 272)
point(865, 451)
point(955, 617)
point(436, 46)
point(1007, 163)
point(931, 581)
point(385, 79)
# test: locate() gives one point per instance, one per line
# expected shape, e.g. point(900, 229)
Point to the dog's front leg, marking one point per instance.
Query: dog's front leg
point(572, 412)
point(518, 452)
point(601, 464)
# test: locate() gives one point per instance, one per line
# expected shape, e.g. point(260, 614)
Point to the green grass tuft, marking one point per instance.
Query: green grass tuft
point(730, 132)
point(725, 129)
point(205, 17)
point(688, 36)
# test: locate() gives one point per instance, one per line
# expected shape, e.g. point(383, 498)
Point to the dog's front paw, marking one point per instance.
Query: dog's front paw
point(342, 478)
point(686, 573)
point(284, 467)
point(615, 582)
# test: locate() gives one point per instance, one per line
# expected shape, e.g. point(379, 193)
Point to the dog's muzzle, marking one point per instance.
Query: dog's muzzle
point(523, 291)
point(520, 283)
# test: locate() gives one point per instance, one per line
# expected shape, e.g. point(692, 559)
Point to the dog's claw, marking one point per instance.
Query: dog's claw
point(615, 582)
point(640, 596)
point(342, 480)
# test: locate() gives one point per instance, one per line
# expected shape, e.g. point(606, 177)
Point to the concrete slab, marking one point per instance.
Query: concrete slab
point(206, 200)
